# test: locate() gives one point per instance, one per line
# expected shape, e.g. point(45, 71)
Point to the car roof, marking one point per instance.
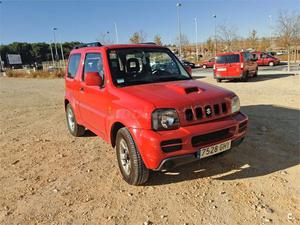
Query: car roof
point(228, 53)
point(115, 46)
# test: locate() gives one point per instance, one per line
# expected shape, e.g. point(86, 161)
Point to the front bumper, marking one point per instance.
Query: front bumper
point(149, 141)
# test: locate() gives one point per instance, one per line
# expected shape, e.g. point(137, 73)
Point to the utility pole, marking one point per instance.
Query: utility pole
point(52, 54)
point(270, 25)
point(55, 44)
point(196, 30)
point(62, 54)
point(178, 5)
point(215, 18)
point(116, 31)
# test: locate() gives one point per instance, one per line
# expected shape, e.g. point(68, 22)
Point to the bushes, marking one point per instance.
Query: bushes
point(35, 74)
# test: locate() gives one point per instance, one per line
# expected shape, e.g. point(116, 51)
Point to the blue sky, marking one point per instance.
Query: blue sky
point(31, 21)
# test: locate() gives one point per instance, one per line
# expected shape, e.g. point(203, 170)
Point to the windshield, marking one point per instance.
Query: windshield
point(133, 66)
point(234, 58)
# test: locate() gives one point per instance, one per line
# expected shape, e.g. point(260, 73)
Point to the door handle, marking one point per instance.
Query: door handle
point(81, 89)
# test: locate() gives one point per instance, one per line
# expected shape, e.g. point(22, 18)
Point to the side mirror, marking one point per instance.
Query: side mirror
point(93, 79)
point(189, 69)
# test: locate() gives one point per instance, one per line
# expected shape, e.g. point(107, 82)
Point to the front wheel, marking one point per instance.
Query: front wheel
point(204, 66)
point(74, 128)
point(130, 161)
point(219, 80)
point(271, 63)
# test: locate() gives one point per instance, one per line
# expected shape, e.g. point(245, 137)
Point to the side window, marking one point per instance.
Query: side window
point(93, 63)
point(73, 65)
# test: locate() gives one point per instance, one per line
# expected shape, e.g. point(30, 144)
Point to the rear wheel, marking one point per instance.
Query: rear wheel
point(245, 77)
point(74, 128)
point(219, 80)
point(255, 74)
point(130, 161)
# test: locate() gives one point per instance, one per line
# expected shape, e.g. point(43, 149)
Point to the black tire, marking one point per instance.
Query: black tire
point(137, 173)
point(245, 77)
point(219, 80)
point(255, 74)
point(74, 128)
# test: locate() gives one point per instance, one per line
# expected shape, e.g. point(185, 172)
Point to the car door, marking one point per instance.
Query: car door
point(93, 99)
point(265, 60)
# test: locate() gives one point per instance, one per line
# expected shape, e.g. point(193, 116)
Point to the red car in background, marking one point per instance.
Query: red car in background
point(208, 63)
point(264, 59)
point(234, 65)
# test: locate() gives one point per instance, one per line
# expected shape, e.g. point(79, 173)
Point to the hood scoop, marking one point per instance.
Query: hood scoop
point(189, 90)
point(185, 89)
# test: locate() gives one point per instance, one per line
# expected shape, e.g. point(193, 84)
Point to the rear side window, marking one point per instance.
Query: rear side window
point(73, 65)
point(234, 58)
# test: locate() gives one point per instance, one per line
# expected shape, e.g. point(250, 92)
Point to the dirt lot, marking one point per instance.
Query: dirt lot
point(50, 177)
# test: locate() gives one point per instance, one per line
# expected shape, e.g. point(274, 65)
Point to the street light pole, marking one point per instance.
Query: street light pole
point(52, 54)
point(270, 24)
point(178, 5)
point(55, 44)
point(116, 31)
point(215, 18)
point(196, 30)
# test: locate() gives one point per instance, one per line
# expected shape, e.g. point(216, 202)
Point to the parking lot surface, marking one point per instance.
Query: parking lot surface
point(49, 177)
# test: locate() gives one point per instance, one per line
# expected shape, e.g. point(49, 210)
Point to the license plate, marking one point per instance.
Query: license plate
point(221, 69)
point(215, 149)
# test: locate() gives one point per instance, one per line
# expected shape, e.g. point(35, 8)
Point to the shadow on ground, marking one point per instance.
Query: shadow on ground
point(263, 77)
point(272, 144)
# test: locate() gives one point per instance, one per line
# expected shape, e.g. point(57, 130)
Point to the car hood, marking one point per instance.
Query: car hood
point(179, 94)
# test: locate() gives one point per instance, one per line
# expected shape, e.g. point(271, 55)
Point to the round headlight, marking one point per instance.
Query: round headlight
point(165, 119)
point(235, 104)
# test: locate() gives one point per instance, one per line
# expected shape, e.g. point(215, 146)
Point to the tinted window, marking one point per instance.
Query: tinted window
point(234, 58)
point(93, 63)
point(73, 65)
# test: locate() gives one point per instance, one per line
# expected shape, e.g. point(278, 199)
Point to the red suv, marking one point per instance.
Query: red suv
point(234, 65)
point(141, 100)
point(264, 59)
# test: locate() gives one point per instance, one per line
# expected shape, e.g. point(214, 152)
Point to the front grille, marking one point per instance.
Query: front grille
point(208, 111)
point(210, 137)
point(189, 114)
point(198, 112)
point(217, 109)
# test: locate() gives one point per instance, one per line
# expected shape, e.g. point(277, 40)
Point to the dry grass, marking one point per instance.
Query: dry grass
point(35, 74)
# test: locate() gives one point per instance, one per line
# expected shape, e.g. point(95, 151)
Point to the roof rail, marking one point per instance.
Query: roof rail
point(148, 43)
point(84, 45)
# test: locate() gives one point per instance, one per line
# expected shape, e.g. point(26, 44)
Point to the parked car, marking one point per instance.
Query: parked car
point(141, 100)
point(235, 65)
point(187, 63)
point(264, 59)
point(208, 63)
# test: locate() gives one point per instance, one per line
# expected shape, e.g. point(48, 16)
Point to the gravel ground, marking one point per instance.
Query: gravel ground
point(49, 177)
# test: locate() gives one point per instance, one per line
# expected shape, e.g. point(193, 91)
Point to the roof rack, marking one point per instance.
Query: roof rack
point(84, 45)
point(148, 43)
